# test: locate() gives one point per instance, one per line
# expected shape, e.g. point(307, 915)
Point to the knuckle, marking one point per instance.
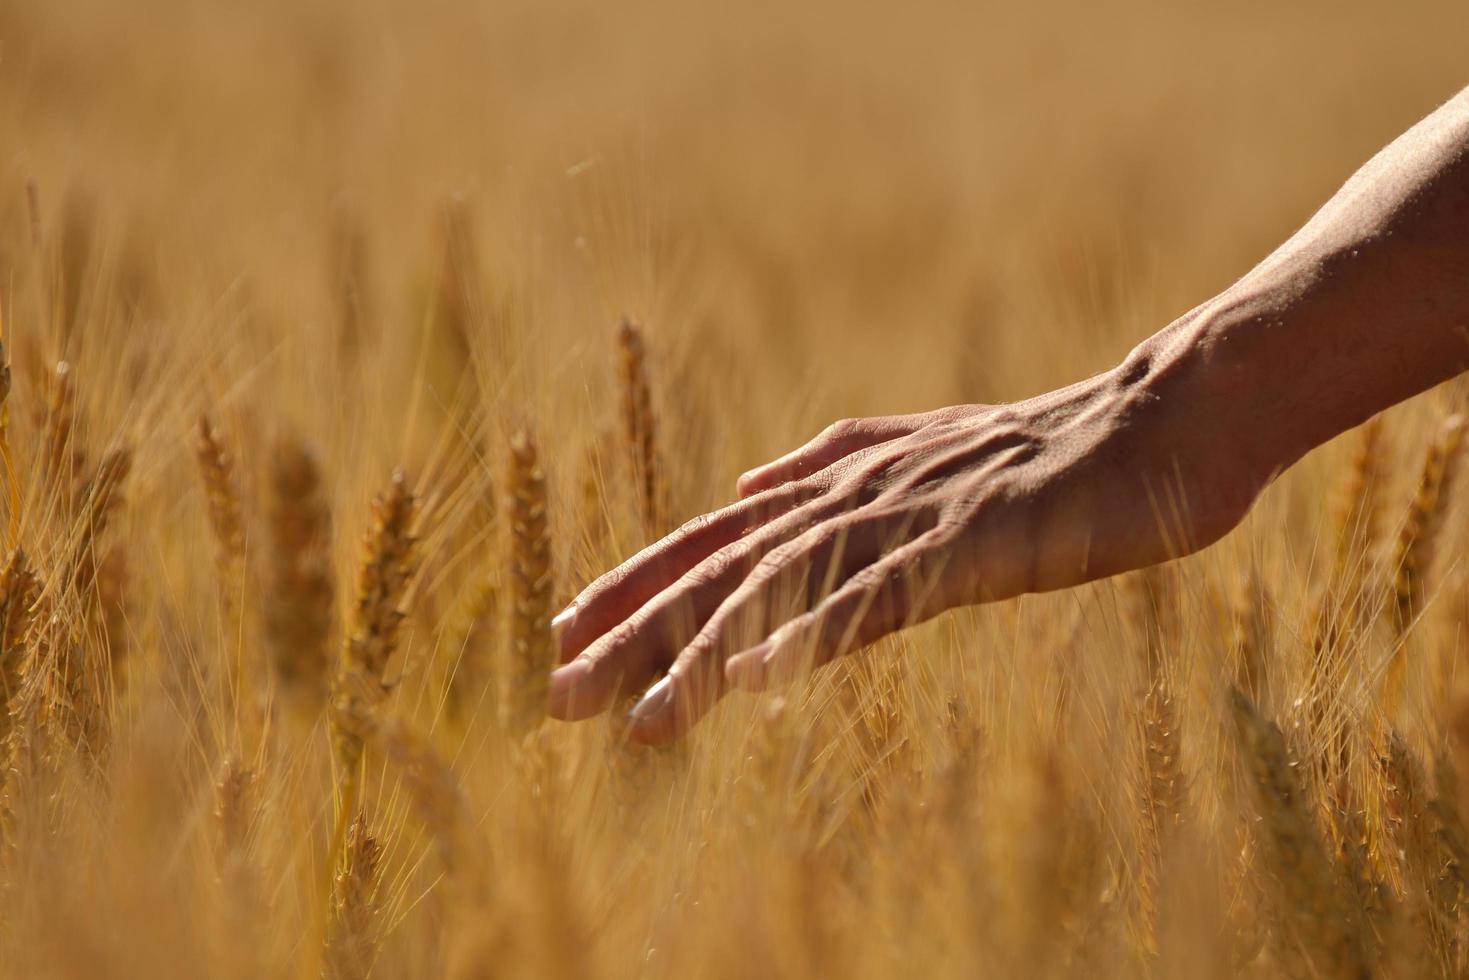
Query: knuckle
point(772, 562)
point(812, 486)
point(839, 430)
point(616, 640)
point(695, 526)
point(694, 655)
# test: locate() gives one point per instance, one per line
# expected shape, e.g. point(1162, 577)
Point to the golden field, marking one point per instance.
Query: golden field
point(271, 712)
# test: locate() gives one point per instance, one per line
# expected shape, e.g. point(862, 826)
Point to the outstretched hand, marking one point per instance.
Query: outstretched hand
point(877, 524)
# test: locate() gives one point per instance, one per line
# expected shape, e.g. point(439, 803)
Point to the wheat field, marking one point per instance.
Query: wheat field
point(345, 342)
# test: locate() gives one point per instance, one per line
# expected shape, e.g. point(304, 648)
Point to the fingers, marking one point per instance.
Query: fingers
point(904, 588)
point(790, 580)
point(836, 441)
point(625, 658)
point(618, 594)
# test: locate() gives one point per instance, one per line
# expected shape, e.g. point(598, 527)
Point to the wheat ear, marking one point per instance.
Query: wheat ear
point(222, 505)
point(352, 929)
point(362, 682)
point(19, 588)
point(7, 458)
point(525, 686)
point(301, 590)
point(1308, 901)
point(640, 426)
point(1415, 549)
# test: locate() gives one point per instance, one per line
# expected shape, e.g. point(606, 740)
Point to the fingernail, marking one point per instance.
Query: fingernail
point(564, 681)
point(563, 617)
point(654, 701)
point(746, 671)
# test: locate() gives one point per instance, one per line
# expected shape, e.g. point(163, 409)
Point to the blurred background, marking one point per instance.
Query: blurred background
point(977, 200)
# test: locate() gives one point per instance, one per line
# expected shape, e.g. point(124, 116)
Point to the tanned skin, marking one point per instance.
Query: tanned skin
point(880, 523)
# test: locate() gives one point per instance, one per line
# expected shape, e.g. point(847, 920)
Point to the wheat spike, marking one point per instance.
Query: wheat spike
point(1308, 901)
point(217, 471)
point(113, 582)
point(639, 425)
point(74, 245)
point(1450, 806)
point(1164, 798)
point(1250, 637)
point(525, 685)
point(1166, 788)
point(1424, 867)
point(33, 213)
point(222, 498)
point(388, 563)
point(7, 458)
point(234, 814)
point(79, 686)
point(101, 497)
point(301, 590)
point(64, 457)
point(19, 588)
point(237, 819)
point(458, 310)
point(1415, 548)
point(592, 494)
point(1340, 606)
point(27, 757)
point(1448, 810)
point(352, 931)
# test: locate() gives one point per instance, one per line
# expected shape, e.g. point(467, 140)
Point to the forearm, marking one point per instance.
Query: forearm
point(1368, 304)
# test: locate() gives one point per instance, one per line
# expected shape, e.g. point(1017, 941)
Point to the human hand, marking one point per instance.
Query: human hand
point(880, 523)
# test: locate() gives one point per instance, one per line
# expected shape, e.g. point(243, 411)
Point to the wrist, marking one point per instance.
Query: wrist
point(1215, 399)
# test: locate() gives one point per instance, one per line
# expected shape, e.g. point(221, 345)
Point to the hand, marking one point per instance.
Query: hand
point(881, 523)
